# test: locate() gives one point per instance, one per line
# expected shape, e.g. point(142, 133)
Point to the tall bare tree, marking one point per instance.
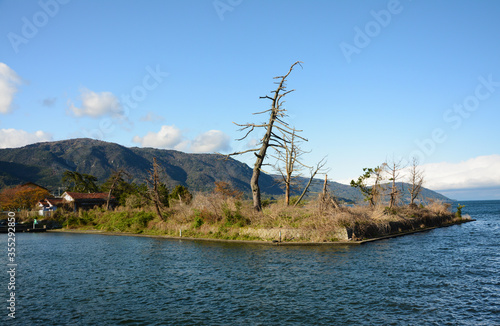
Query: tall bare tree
point(289, 163)
point(154, 188)
point(276, 115)
point(394, 171)
point(416, 181)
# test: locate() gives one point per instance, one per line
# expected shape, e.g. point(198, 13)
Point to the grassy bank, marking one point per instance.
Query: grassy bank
point(213, 216)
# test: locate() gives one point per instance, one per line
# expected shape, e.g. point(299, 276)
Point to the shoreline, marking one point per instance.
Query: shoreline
point(262, 242)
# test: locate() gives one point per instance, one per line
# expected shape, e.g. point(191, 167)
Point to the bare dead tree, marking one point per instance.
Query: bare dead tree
point(326, 199)
point(394, 171)
point(289, 163)
point(416, 181)
point(276, 115)
point(154, 188)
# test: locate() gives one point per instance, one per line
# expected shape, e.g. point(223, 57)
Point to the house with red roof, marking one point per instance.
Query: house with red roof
point(79, 200)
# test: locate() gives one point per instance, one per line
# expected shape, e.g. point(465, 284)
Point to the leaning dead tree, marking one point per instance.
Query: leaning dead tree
point(416, 181)
point(271, 138)
point(154, 188)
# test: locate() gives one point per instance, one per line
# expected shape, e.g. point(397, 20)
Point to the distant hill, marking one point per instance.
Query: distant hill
point(348, 194)
point(44, 164)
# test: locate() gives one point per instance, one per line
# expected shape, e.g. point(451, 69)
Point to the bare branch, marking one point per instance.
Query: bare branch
point(269, 110)
point(319, 166)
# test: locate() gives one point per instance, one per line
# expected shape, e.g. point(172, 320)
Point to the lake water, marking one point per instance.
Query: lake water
point(447, 276)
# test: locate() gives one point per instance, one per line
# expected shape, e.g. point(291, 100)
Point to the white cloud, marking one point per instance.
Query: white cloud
point(9, 81)
point(97, 104)
point(479, 172)
point(11, 138)
point(168, 137)
point(252, 143)
point(211, 141)
point(171, 137)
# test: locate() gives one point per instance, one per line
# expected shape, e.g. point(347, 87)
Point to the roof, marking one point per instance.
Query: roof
point(32, 185)
point(54, 201)
point(88, 196)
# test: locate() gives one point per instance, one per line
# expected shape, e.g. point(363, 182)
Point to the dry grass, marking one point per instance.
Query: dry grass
point(214, 215)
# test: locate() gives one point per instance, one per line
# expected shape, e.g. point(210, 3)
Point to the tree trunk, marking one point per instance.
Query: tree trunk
point(109, 196)
point(254, 183)
point(155, 182)
point(287, 193)
point(325, 186)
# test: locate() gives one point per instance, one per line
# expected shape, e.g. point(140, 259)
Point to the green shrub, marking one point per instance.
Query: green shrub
point(390, 211)
point(234, 218)
point(267, 202)
point(181, 193)
point(142, 218)
point(198, 219)
point(458, 213)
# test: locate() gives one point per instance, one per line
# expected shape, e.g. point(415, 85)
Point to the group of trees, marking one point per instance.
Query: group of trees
point(375, 191)
point(22, 197)
point(286, 143)
point(118, 185)
point(151, 193)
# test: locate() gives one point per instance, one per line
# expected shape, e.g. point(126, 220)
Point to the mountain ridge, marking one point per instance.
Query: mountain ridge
point(44, 163)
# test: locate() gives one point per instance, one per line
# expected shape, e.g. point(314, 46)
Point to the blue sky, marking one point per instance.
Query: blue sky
point(380, 79)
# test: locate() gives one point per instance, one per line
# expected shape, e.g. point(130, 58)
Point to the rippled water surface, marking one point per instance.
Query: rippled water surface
point(448, 276)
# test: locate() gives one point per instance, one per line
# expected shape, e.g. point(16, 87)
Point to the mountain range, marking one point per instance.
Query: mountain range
point(44, 164)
